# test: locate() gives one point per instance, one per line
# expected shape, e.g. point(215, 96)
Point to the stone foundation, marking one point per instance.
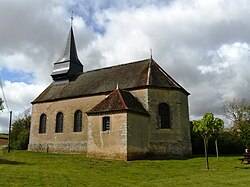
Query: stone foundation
point(112, 156)
point(170, 149)
point(59, 148)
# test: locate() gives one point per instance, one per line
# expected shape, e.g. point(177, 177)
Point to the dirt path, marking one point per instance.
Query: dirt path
point(3, 141)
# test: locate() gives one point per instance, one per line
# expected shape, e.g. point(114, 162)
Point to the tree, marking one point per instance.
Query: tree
point(233, 110)
point(1, 104)
point(206, 128)
point(20, 132)
point(218, 126)
point(238, 114)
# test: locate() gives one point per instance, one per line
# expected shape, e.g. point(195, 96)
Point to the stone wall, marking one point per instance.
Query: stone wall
point(111, 144)
point(176, 140)
point(137, 138)
point(142, 96)
point(67, 141)
point(131, 135)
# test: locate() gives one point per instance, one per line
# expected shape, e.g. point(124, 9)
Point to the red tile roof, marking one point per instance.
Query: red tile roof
point(119, 100)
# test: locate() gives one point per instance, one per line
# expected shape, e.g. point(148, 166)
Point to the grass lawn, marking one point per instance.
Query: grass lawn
point(22, 168)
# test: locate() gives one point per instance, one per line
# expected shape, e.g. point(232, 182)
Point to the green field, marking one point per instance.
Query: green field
point(4, 136)
point(22, 168)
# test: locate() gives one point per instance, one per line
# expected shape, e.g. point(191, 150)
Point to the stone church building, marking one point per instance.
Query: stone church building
point(123, 112)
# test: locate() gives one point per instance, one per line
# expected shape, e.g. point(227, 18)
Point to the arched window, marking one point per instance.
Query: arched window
point(42, 124)
point(78, 121)
point(164, 116)
point(59, 122)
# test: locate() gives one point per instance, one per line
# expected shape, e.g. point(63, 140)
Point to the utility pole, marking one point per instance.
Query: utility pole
point(9, 131)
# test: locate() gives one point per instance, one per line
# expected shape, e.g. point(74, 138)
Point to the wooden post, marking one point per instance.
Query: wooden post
point(9, 131)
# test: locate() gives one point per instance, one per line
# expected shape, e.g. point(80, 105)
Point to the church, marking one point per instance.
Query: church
point(124, 112)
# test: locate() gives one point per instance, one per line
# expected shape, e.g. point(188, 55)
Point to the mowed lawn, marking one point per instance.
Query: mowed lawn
point(23, 168)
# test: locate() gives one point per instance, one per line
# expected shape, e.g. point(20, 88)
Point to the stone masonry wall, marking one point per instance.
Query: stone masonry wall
point(67, 141)
point(111, 144)
point(174, 141)
point(137, 135)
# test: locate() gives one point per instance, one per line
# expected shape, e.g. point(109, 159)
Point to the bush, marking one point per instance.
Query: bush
point(20, 133)
point(229, 142)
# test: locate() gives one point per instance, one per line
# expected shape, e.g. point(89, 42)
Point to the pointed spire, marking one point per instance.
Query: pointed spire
point(68, 65)
point(70, 52)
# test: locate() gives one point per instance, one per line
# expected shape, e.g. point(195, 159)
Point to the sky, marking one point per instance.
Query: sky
point(203, 45)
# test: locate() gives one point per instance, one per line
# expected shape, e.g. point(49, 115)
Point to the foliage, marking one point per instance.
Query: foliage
point(23, 168)
point(243, 132)
point(1, 104)
point(206, 127)
point(228, 141)
point(20, 132)
point(238, 114)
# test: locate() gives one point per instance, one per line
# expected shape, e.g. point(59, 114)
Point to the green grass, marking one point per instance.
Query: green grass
point(4, 136)
point(22, 168)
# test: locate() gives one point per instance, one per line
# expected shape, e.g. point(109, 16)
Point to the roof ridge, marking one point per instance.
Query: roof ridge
point(149, 72)
point(118, 65)
point(121, 97)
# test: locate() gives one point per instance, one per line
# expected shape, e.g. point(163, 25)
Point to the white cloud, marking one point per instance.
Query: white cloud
point(226, 57)
point(19, 95)
point(18, 61)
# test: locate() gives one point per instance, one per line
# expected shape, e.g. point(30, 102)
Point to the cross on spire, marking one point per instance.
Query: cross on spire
point(72, 18)
point(151, 53)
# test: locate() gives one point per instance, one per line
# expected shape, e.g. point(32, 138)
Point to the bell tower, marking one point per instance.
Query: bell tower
point(68, 66)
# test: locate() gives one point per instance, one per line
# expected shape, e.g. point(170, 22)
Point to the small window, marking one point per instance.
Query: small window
point(42, 124)
point(164, 116)
point(106, 123)
point(59, 122)
point(78, 121)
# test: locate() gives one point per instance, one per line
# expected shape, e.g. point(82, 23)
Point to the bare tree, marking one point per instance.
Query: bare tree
point(238, 114)
point(232, 110)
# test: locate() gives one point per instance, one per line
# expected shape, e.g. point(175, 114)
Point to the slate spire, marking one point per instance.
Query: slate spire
point(68, 66)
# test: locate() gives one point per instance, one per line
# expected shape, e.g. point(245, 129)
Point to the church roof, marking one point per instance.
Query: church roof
point(119, 100)
point(140, 74)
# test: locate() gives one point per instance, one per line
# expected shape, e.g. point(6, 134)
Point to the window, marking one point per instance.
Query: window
point(42, 124)
point(106, 123)
point(59, 122)
point(164, 116)
point(78, 121)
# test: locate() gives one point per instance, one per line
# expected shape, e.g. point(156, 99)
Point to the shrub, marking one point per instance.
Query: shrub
point(20, 133)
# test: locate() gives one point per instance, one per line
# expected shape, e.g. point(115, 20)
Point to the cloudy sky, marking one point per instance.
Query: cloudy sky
point(204, 45)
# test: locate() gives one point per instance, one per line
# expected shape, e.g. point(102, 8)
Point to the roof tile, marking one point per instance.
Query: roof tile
point(119, 100)
point(140, 74)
